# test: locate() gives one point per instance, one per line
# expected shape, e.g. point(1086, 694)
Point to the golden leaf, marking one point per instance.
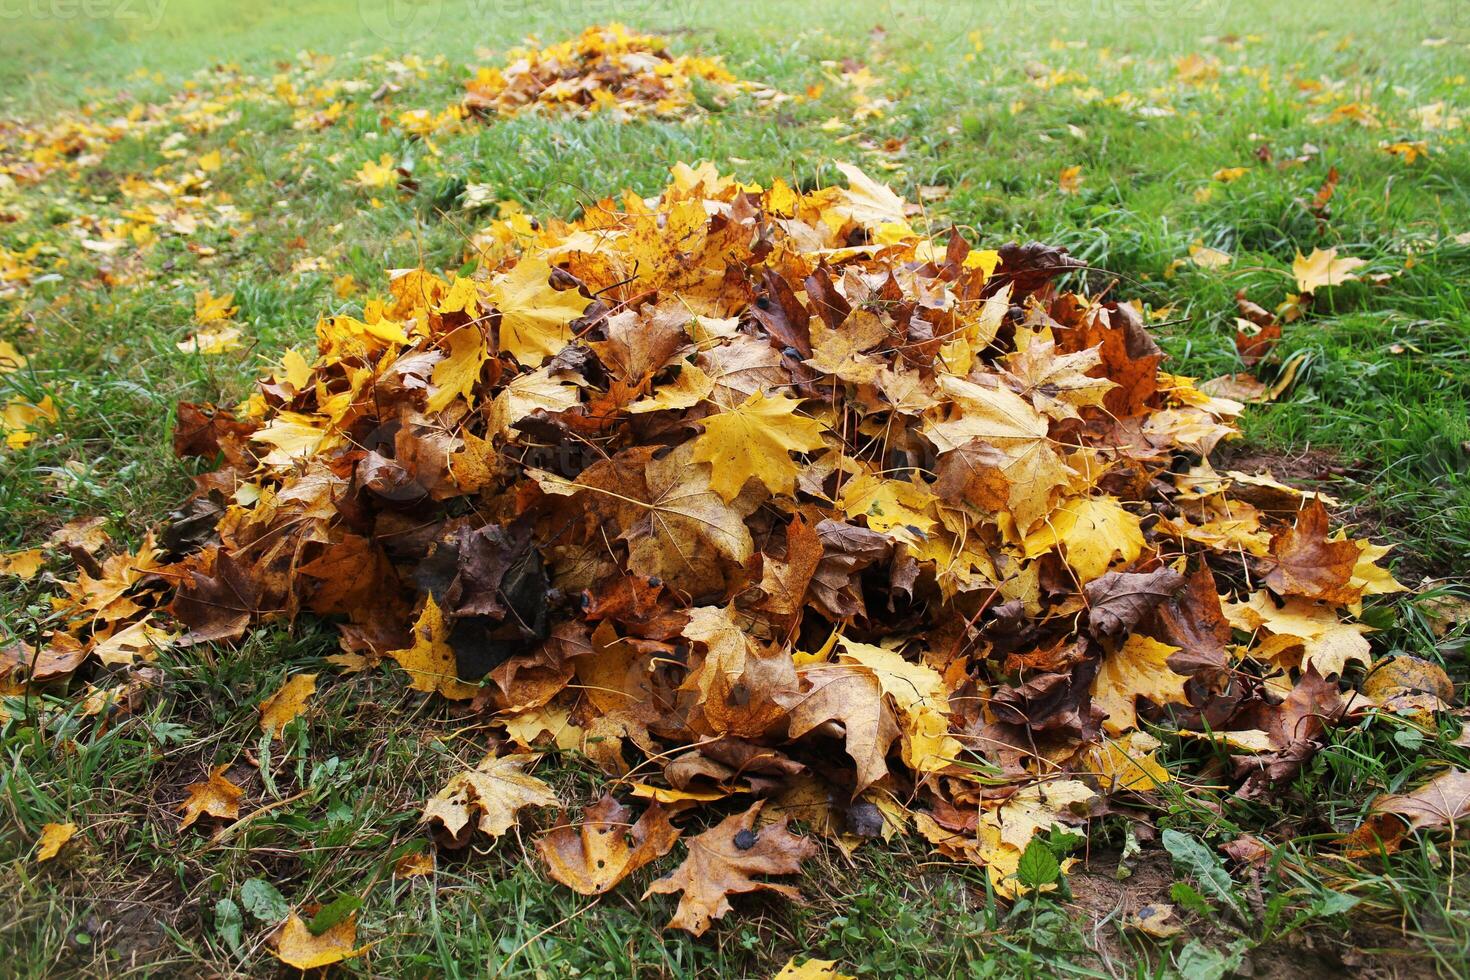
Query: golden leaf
point(53, 836)
point(751, 442)
point(23, 564)
point(1323, 268)
point(215, 797)
point(811, 970)
point(277, 711)
point(534, 317)
point(430, 662)
point(295, 946)
point(456, 375)
point(1139, 668)
point(1093, 533)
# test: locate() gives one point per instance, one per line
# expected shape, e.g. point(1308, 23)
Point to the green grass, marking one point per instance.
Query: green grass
point(1380, 397)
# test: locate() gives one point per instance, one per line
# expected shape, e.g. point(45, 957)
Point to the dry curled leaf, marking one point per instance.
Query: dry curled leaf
point(593, 857)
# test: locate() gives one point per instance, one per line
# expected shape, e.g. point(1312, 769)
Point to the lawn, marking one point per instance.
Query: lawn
point(1202, 138)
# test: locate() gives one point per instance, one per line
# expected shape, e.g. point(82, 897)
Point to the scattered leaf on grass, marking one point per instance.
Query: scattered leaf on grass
point(591, 858)
point(215, 797)
point(53, 836)
point(725, 861)
point(811, 970)
point(1323, 268)
point(487, 798)
point(295, 945)
point(23, 564)
point(277, 711)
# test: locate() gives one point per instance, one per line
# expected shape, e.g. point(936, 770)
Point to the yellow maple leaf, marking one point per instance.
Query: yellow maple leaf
point(811, 970)
point(534, 317)
point(690, 387)
point(215, 339)
point(1299, 633)
point(211, 161)
point(1138, 668)
point(871, 204)
point(1323, 268)
point(1406, 150)
point(1367, 575)
point(456, 375)
point(474, 466)
point(430, 662)
point(10, 358)
point(895, 507)
point(463, 296)
point(1004, 832)
point(525, 394)
point(209, 308)
point(922, 700)
point(1208, 258)
point(289, 701)
point(23, 564)
point(139, 640)
point(295, 370)
point(215, 797)
point(1070, 179)
point(378, 175)
point(1093, 531)
point(19, 418)
point(294, 437)
point(1128, 763)
point(752, 441)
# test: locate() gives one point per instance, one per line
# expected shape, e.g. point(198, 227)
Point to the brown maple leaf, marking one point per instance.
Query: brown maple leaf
point(1305, 562)
point(725, 861)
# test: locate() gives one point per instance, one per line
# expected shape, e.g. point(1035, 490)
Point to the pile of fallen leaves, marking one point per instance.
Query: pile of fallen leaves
point(765, 502)
point(605, 69)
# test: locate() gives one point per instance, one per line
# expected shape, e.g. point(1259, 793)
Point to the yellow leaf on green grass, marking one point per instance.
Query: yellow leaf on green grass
point(378, 175)
point(23, 564)
point(215, 797)
point(1323, 268)
point(811, 970)
point(216, 339)
point(488, 797)
point(296, 946)
point(1208, 258)
point(10, 358)
point(289, 701)
point(53, 836)
point(209, 308)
